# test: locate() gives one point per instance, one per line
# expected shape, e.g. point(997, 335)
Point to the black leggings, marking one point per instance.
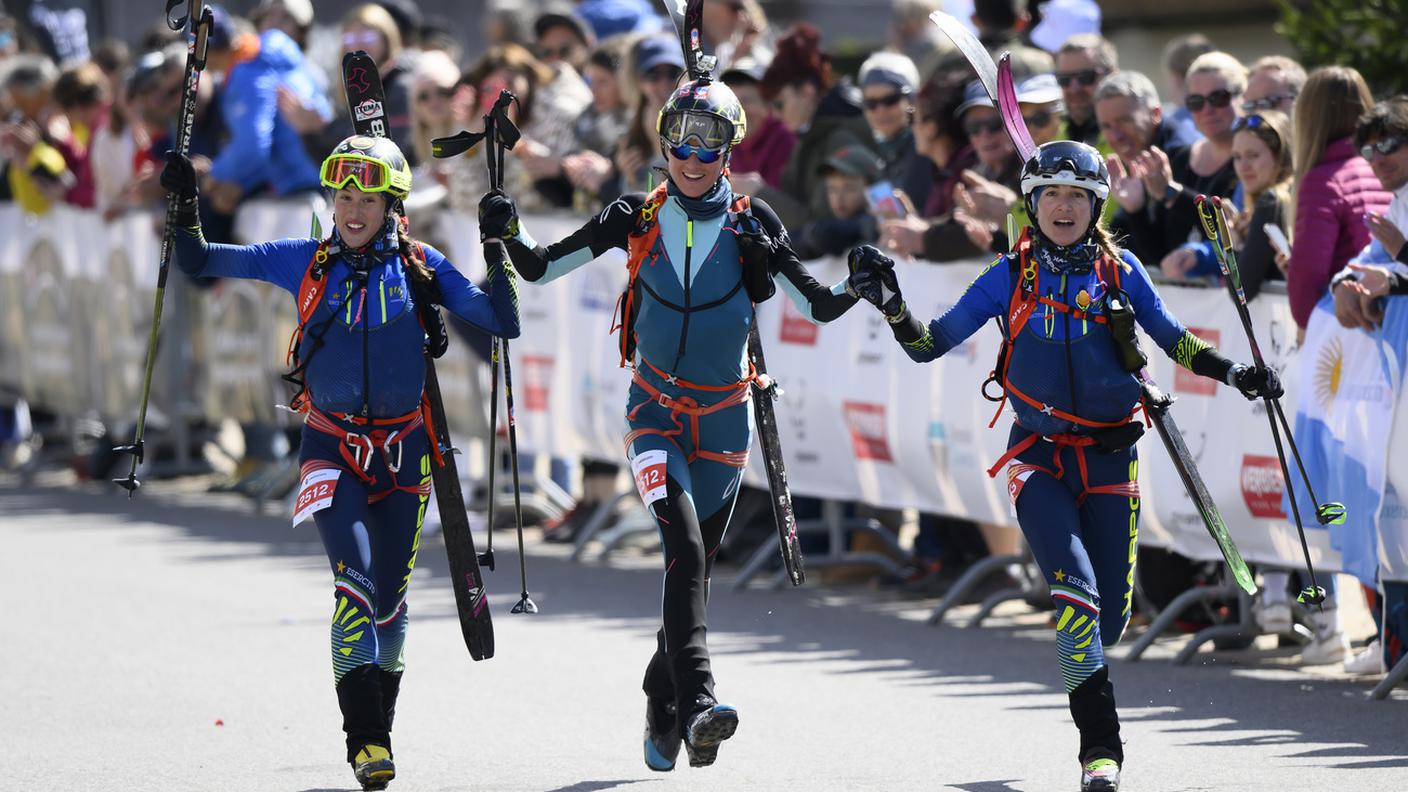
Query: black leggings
point(679, 670)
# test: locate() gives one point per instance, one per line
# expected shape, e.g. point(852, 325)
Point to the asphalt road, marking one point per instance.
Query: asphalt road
point(179, 642)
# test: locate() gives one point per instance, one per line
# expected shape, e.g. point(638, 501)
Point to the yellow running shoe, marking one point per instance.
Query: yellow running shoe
point(373, 767)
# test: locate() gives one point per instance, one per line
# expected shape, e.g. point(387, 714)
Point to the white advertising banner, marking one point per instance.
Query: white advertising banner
point(858, 421)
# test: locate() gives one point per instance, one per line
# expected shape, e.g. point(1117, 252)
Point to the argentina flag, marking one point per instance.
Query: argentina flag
point(1344, 419)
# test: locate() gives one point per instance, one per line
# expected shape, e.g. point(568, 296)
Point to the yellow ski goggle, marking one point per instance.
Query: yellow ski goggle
point(367, 174)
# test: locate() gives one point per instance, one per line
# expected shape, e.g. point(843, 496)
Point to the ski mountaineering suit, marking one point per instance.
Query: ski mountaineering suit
point(1075, 492)
point(688, 422)
point(366, 455)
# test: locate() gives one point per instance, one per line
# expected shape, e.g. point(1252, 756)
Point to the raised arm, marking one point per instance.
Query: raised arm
point(985, 298)
point(495, 312)
point(281, 262)
point(498, 219)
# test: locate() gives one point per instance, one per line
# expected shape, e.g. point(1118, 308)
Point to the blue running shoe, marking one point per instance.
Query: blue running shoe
point(662, 736)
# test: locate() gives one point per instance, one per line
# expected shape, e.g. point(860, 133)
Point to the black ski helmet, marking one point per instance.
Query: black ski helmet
point(373, 164)
point(1066, 162)
point(706, 111)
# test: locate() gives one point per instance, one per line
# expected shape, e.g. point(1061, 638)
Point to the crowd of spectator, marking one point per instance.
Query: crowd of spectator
point(909, 153)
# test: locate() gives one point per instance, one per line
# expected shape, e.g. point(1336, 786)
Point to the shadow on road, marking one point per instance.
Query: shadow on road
point(1229, 699)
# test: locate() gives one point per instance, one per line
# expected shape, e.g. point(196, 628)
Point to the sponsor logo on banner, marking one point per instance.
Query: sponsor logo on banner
point(1185, 381)
point(1262, 485)
point(796, 328)
point(869, 353)
point(869, 438)
point(595, 291)
point(537, 382)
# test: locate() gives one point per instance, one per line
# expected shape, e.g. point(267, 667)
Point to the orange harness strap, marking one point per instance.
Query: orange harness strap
point(357, 448)
point(739, 393)
point(1128, 489)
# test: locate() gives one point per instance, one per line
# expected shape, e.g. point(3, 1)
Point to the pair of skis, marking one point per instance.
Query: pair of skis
point(997, 80)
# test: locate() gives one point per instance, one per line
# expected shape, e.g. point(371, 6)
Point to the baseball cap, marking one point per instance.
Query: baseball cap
point(658, 51)
point(1039, 89)
point(975, 95)
point(855, 161)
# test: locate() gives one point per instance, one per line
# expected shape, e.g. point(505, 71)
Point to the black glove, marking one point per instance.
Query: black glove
point(179, 177)
point(873, 279)
point(498, 216)
point(755, 251)
point(1256, 382)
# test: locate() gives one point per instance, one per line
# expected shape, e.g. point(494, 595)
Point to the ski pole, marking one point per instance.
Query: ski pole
point(200, 19)
point(487, 557)
point(500, 136)
point(1214, 224)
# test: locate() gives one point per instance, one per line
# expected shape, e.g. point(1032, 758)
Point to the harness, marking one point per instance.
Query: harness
point(1024, 301)
point(640, 245)
point(358, 448)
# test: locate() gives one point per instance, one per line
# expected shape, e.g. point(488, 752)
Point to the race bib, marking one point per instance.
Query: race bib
point(1017, 475)
point(649, 470)
point(315, 493)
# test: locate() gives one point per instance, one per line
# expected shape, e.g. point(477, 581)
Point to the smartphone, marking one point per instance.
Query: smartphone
point(1278, 239)
point(882, 199)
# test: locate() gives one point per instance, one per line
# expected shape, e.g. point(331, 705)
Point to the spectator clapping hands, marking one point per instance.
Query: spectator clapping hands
point(1387, 234)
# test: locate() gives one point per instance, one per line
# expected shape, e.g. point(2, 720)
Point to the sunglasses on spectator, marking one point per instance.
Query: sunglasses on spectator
point(671, 73)
point(1385, 146)
point(705, 155)
point(1219, 99)
point(1266, 102)
point(560, 53)
point(878, 102)
point(364, 38)
point(1040, 118)
point(1086, 77)
point(1247, 122)
point(974, 126)
point(434, 93)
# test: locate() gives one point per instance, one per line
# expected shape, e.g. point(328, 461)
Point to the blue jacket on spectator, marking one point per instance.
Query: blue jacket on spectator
point(263, 147)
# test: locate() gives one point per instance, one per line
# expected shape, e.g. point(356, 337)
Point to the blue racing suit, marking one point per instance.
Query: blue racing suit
point(365, 454)
point(1073, 467)
point(688, 424)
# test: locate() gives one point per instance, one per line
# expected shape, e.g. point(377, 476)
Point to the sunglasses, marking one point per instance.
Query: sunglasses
point(704, 155)
point(1219, 99)
point(1247, 122)
point(434, 93)
point(364, 38)
point(1038, 119)
point(1086, 77)
point(560, 53)
point(974, 127)
point(883, 101)
point(1266, 102)
point(1385, 146)
point(671, 73)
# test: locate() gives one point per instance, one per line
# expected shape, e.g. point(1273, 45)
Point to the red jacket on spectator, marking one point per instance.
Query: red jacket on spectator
point(765, 151)
point(1330, 230)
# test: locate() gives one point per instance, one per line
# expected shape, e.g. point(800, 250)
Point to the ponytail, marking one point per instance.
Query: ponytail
point(410, 249)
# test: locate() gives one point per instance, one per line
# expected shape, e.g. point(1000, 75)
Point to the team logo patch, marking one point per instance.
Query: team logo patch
point(361, 141)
